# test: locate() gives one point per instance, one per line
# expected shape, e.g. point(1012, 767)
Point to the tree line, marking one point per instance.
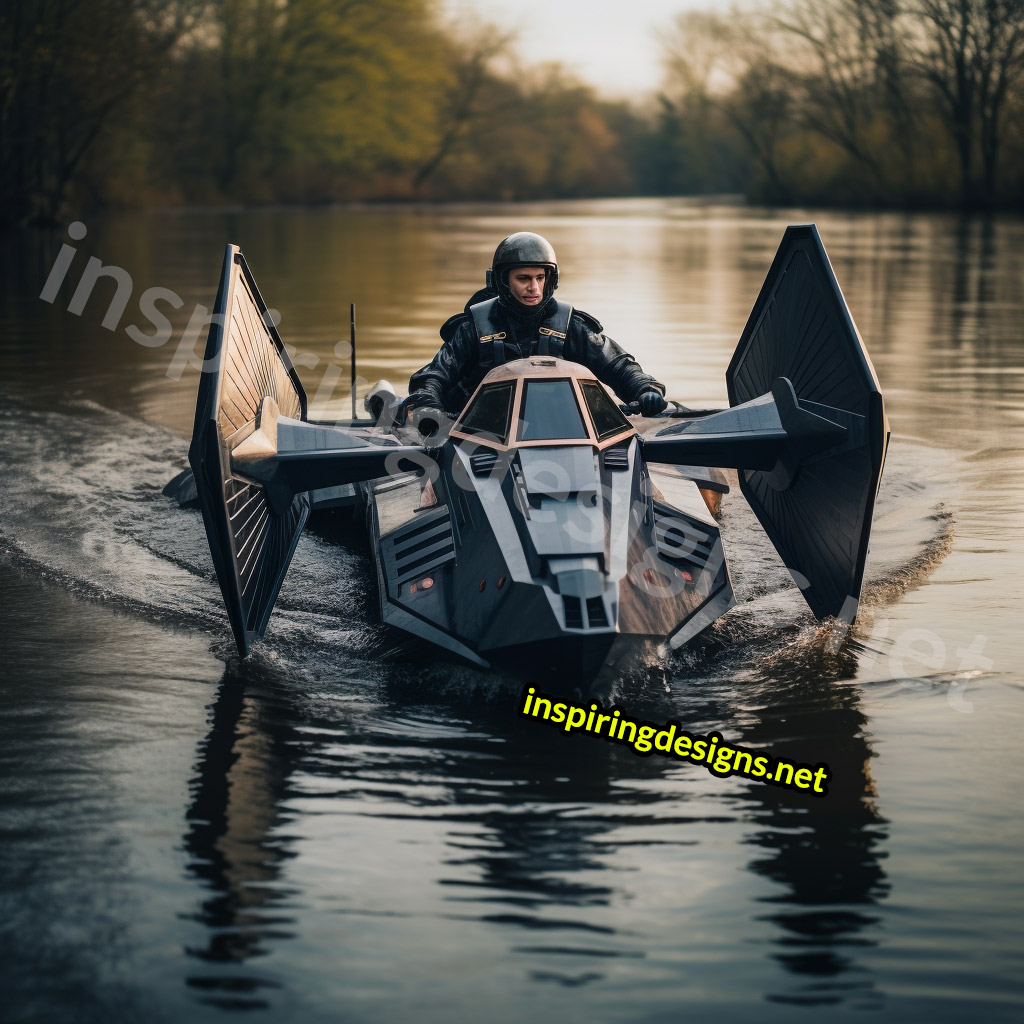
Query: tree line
point(895, 103)
point(900, 103)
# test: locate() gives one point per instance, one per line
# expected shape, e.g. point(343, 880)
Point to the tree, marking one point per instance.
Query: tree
point(722, 80)
point(345, 84)
point(846, 49)
point(66, 68)
point(972, 54)
point(472, 98)
point(761, 108)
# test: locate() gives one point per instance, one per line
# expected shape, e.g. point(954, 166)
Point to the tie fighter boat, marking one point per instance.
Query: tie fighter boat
point(547, 531)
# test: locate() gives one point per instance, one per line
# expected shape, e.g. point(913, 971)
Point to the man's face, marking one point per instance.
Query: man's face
point(527, 284)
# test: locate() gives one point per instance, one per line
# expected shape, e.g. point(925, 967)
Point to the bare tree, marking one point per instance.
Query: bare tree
point(972, 53)
point(698, 53)
point(761, 109)
point(467, 103)
point(730, 64)
point(848, 60)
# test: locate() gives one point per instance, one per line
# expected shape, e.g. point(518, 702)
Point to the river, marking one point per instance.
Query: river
point(347, 826)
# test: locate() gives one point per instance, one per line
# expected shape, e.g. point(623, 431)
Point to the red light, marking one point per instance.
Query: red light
point(687, 576)
point(412, 589)
point(483, 583)
point(427, 583)
point(501, 582)
point(647, 575)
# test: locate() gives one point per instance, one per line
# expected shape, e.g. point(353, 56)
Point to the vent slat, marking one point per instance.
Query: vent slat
point(407, 542)
point(680, 539)
point(573, 612)
point(424, 554)
point(429, 565)
point(482, 462)
point(616, 458)
point(421, 547)
point(417, 530)
point(595, 612)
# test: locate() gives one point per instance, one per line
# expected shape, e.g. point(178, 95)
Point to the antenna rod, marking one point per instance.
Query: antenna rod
point(352, 326)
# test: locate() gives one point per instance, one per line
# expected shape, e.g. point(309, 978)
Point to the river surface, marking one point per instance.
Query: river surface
point(348, 826)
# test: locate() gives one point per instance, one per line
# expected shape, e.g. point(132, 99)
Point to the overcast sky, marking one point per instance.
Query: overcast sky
point(611, 44)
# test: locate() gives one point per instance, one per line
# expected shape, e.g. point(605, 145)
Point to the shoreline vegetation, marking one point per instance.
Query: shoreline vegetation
point(901, 104)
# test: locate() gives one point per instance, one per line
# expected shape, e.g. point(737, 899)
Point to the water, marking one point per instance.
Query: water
point(347, 826)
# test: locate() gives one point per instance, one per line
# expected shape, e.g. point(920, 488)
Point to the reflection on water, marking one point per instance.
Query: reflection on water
point(242, 773)
point(827, 858)
point(528, 841)
point(349, 827)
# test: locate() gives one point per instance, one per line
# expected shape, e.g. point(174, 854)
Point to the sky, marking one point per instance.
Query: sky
point(610, 44)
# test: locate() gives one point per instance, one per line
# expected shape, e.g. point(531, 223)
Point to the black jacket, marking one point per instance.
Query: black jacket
point(448, 380)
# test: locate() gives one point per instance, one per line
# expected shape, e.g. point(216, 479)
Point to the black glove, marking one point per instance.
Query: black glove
point(429, 420)
point(651, 403)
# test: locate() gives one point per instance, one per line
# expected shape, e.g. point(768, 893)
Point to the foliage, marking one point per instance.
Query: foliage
point(855, 102)
point(67, 69)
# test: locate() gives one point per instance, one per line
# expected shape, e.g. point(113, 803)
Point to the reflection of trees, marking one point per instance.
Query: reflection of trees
point(972, 296)
point(972, 314)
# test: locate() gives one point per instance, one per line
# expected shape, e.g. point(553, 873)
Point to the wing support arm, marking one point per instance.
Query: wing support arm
point(288, 456)
point(775, 433)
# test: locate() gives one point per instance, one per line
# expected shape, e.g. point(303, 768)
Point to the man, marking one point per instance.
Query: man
point(517, 316)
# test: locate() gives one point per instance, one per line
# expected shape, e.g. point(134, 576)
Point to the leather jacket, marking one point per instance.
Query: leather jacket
point(449, 379)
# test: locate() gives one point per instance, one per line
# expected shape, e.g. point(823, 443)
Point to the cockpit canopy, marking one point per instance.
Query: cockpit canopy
point(541, 401)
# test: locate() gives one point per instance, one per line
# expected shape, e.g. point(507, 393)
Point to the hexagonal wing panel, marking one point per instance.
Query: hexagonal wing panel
point(800, 328)
point(245, 362)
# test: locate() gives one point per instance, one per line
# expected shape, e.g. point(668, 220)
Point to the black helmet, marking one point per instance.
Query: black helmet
point(523, 249)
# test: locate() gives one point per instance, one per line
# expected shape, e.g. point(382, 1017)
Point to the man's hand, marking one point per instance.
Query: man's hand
point(651, 403)
point(429, 420)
